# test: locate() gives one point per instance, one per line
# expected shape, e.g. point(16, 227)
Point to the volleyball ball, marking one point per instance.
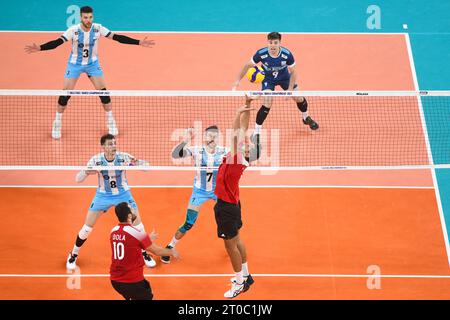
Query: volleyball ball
point(255, 74)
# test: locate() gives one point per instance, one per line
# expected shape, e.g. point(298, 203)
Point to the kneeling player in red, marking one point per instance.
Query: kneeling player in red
point(228, 207)
point(127, 265)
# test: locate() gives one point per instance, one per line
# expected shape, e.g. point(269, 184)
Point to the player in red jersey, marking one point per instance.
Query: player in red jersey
point(228, 207)
point(127, 265)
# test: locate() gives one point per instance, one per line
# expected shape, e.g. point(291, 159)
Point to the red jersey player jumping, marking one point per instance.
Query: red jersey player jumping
point(126, 273)
point(228, 207)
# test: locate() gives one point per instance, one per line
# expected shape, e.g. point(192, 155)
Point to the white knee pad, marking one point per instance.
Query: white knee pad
point(84, 232)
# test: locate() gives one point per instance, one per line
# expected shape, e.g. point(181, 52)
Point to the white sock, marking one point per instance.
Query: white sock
point(240, 277)
point(245, 269)
point(305, 115)
point(258, 128)
point(75, 249)
point(109, 115)
point(173, 242)
point(58, 116)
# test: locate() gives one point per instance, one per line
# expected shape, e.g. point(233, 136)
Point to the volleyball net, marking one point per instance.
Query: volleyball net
point(378, 129)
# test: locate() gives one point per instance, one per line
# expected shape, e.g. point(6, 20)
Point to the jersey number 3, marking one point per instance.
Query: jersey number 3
point(85, 53)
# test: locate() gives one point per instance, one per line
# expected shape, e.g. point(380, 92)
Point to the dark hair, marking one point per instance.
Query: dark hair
point(86, 9)
point(212, 128)
point(122, 211)
point(106, 137)
point(274, 36)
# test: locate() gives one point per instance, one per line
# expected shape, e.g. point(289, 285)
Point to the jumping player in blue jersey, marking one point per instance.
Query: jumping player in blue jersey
point(279, 67)
point(205, 157)
point(84, 59)
point(112, 189)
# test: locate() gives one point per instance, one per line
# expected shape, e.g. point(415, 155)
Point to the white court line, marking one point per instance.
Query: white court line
point(266, 275)
point(211, 32)
point(430, 154)
point(245, 187)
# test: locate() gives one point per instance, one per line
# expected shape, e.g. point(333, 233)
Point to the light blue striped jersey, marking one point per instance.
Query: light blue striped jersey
point(205, 179)
point(112, 182)
point(84, 44)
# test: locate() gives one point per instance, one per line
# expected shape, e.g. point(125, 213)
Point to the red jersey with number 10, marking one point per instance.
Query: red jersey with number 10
point(127, 263)
point(228, 176)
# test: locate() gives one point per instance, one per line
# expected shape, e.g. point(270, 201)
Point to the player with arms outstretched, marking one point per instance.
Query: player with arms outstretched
point(84, 59)
point(112, 189)
point(279, 68)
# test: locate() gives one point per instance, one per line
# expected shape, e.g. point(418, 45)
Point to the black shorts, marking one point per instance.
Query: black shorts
point(134, 291)
point(228, 219)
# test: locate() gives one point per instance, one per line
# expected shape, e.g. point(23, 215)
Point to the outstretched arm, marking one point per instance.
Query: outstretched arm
point(82, 175)
point(242, 74)
point(46, 46)
point(255, 152)
point(245, 117)
point(236, 131)
point(139, 162)
point(240, 124)
point(127, 40)
point(132, 161)
point(66, 36)
point(180, 151)
point(160, 251)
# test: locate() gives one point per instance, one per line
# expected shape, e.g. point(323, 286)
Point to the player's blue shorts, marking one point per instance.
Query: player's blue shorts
point(270, 84)
point(102, 202)
point(199, 196)
point(92, 70)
